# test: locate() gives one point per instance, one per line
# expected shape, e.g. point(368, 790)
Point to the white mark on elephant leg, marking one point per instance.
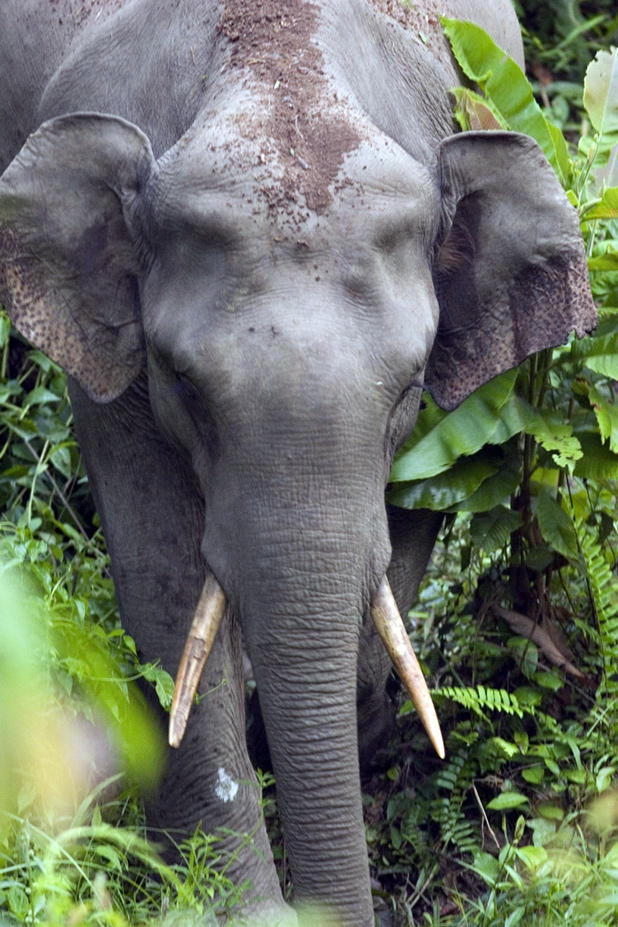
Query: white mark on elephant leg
point(226, 788)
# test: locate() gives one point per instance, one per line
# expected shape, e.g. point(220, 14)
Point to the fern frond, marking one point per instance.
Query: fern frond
point(481, 698)
point(455, 778)
point(603, 586)
point(451, 773)
point(465, 836)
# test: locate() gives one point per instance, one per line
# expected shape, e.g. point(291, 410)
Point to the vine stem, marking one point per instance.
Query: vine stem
point(63, 498)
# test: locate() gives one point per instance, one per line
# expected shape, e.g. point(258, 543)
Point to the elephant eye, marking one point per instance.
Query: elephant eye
point(185, 389)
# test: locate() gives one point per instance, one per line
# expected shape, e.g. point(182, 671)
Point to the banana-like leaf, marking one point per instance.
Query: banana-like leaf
point(473, 484)
point(433, 450)
point(516, 415)
point(496, 489)
point(601, 96)
point(505, 85)
point(447, 489)
point(598, 461)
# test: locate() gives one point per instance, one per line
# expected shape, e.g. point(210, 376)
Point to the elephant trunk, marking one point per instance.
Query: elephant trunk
point(303, 640)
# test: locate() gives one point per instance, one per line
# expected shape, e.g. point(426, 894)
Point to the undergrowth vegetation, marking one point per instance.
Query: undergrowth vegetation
point(517, 620)
point(77, 738)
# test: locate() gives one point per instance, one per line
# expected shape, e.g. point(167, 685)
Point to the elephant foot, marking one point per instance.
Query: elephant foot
point(269, 916)
point(262, 917)
point(383, 914)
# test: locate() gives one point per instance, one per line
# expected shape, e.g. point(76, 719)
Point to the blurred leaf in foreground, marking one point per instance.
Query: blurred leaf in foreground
point(54, 751)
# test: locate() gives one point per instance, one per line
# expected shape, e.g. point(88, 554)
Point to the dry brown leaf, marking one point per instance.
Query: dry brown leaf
point(526, 627)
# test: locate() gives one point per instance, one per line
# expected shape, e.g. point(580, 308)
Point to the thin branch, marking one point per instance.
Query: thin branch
point(485, 818)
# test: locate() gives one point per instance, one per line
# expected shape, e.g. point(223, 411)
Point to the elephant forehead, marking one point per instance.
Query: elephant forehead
point(296, 117)
point(378, 188)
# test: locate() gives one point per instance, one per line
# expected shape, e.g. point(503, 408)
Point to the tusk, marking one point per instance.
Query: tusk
point(206, 621)
point(392, 630)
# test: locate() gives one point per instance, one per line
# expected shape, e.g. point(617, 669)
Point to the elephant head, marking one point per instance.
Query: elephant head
point(285, 331)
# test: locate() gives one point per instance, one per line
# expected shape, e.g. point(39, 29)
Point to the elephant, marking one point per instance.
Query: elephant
point(250, 234)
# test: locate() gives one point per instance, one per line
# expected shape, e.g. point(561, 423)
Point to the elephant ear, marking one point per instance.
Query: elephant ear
point(511, 276)
point(68, 259)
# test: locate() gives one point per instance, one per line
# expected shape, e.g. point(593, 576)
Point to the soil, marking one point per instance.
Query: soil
point(424, 24)
point(309, 129)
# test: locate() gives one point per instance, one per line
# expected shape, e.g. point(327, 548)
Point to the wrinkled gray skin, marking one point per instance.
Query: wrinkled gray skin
point(243, 276)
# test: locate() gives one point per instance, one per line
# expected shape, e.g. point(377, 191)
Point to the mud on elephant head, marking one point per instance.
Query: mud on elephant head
point(248, 300)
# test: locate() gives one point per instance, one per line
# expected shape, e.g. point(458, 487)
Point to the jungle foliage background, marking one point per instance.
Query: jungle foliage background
point(517, 621)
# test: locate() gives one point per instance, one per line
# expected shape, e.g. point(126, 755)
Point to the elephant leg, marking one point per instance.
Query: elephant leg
point(413, 535)
point(210, 779)
point(152, 516)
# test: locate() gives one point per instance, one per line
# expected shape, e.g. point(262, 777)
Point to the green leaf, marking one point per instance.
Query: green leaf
point(515, 416)
point(605, 257)
point(61, 459)
point(532, 857)
point(487, 867)
point(556, 526)
point(598, 461)
point(528, 697)
point(431, 450)
point(110, 855)
point(506, 87)
point(599, 354)
point(494, 490)
point(544, 832)
point(551, 682)
point(507, 800)
point(579, 776)
point(539, 558)
point(554, 435)
point(525, 653)
point(41, 395)
point(604, 777)
point(607, 417)
point(5, 329)
point(18, 901)
point(162, 681)
point(550, 811)
point(601, 96)
point(552, 766)
point(522, 740)
point(606, 208)
point(447, 489)
point(492, 530)
point(534, 774)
